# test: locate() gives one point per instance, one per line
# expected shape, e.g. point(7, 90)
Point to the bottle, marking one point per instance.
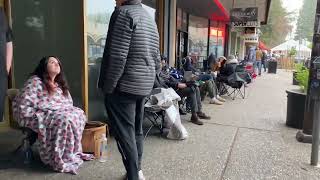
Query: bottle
point(103, 148)
point(27, 151)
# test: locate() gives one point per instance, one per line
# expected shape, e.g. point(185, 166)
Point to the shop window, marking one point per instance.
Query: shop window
point(217, 38)
point(198, 38)
point(98, 17)
point(44, 28)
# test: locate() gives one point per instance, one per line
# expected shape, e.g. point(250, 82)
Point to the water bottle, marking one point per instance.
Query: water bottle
point(103, 148)
point(27, 151)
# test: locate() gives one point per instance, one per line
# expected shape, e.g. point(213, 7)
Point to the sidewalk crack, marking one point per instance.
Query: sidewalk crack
point(229, 154)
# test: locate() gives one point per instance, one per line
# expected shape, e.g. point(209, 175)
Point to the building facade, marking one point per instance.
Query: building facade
point(75, 31)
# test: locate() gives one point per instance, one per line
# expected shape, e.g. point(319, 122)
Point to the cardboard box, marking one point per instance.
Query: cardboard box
point(91, 137)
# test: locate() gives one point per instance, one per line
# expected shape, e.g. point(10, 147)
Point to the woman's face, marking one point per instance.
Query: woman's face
point(53, 66)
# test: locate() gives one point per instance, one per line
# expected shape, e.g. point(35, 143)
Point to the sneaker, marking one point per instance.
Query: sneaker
point(141, 176)
point(221, 99)
point(195, 119)
point(202, 115)
point(215, 101)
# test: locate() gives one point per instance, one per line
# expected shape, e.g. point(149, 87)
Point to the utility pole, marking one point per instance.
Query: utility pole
point(313, 95)
point(306, 134)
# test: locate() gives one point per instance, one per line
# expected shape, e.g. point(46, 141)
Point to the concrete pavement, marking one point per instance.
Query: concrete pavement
point(245, 139)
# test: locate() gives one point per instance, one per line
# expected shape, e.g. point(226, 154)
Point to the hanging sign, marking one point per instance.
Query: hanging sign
point(244, 17)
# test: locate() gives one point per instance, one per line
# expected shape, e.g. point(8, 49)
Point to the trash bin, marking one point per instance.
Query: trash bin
point(295, 108)
point(272, 67)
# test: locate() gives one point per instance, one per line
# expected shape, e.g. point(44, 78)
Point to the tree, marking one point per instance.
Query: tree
point(278, 27)
point(305, 21)
point(292, 52)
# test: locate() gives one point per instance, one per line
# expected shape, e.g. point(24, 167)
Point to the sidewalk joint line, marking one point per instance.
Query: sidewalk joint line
point(243, 127)
point(229, 154)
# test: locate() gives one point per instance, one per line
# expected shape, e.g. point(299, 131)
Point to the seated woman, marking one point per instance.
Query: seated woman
point(45, 106)
point(227, 69)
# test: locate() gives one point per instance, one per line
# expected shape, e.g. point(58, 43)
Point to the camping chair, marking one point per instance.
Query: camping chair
point(154, 115)
point(30, 136)
point(250, 69)
point(236, 83)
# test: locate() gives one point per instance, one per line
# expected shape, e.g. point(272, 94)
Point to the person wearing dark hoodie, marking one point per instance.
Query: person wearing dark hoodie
point(189, 90)
point(130, 61)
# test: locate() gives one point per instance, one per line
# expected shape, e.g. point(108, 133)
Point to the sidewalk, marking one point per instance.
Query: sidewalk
point(245, 139)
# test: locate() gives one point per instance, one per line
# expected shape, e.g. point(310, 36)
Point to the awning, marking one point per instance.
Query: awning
point(263, 46)
point(210, 9)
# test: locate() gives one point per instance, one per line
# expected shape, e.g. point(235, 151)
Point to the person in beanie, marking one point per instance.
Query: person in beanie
point(130, 61)
point(6, 50)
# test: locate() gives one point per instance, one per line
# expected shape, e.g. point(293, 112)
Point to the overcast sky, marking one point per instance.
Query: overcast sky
point(293, 6)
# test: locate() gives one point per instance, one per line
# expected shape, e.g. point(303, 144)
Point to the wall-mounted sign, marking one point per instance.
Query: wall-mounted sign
point(244, 17)
point(246, 24)
point(244, 14)
point(251, 38)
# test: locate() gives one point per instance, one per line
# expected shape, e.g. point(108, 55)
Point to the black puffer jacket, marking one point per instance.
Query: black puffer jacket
point(131, 55)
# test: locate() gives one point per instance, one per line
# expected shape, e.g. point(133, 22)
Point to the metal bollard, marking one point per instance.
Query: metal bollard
point(315, 134)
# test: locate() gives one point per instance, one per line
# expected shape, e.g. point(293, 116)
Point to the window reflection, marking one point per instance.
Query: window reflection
point(198, 38)
point(217, 40)
point(98, 17)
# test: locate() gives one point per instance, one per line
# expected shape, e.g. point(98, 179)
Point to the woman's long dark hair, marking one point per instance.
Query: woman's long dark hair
point(42, 72)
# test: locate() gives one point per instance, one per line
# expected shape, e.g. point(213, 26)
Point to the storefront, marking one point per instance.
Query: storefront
point(75, 31)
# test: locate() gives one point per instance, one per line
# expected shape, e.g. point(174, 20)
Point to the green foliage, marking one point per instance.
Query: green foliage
point(302, 76)
point(278, 26)
point(292, 52)
point(305, 23)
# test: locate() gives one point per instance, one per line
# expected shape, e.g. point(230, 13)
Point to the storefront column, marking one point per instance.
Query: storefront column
point(166, 24)
point(172, 32)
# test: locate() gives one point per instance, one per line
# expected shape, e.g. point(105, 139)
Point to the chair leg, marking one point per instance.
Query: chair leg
point(155, 123)
point(145, 136)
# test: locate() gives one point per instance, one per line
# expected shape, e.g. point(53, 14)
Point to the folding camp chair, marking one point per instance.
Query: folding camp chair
point(154, 115)
point(236, 83)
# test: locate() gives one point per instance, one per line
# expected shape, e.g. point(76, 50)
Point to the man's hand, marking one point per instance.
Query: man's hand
point(182, 85)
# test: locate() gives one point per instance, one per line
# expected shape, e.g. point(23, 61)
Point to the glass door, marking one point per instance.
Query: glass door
point(181, 45)
point(98, 13)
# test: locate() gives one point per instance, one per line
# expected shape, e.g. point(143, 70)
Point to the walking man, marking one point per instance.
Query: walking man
point(259, 55)
point(130, 61)
point(6, 51)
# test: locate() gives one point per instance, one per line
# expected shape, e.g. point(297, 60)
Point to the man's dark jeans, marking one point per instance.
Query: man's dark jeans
point(193, 95)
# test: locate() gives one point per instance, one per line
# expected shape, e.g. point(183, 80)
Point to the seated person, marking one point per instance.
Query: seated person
point(227, 69)
point(218, 64)
point(189, 90)
point(44, 105)
point(189, 67)
point(208, 86)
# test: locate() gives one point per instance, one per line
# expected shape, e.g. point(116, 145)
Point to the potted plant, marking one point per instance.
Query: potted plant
point(297, 98)
point(297, 68)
